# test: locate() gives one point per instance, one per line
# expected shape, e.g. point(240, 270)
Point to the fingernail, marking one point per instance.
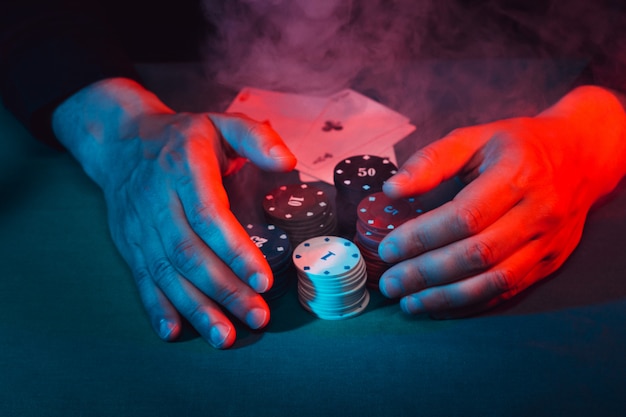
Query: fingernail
point(391, 287)
point(257, 318)
point(168, 330)
point(388, 251)
point(260, 282)
point(412, 305)
point(402, 177)
point(218, 335)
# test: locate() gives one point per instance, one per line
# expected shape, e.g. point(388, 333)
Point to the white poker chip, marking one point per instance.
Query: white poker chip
point(332, 277)
point(326, 256)
point(334, 315)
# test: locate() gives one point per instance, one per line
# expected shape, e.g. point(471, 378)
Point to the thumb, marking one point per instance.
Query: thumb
point(436, 163)
point(256, 141)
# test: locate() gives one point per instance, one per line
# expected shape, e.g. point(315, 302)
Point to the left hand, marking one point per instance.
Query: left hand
point(161, 173)
point(530, 183)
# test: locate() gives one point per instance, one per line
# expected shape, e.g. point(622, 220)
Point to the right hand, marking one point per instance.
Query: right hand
point(530, 184)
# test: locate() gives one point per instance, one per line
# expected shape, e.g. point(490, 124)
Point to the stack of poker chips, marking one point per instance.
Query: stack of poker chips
point(275, 246)
point(355, 178)
point(331, 277)
point(377, 216)
point(302, 210)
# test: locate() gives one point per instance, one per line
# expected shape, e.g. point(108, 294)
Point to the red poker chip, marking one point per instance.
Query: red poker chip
point(381, 214)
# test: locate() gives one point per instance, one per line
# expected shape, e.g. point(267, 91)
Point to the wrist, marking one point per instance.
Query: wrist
point(592, 124)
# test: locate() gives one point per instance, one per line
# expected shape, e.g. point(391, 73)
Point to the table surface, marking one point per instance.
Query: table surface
point(74, 339)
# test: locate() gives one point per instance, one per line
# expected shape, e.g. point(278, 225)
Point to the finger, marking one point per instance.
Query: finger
point(541, 270)
point(163, 316)
point(462, 258)
point(256, 141)
point(475, 208)
point(500, 283)
point(199, 264)
point(203, 314)
point(435, 163)
point(206, 213)
point(497, 283)
point(563, 244)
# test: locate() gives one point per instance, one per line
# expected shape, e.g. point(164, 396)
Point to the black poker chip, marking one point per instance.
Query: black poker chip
point(354, 178)
point(302, 210)
point(276, 247)
point(295, 203)
point(363, 173)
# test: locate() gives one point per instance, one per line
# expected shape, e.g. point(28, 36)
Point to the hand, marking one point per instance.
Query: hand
point(169, 216)
point(530, 183)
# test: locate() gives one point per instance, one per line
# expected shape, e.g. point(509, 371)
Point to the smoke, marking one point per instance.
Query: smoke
point(411, 54)
point(306, 46)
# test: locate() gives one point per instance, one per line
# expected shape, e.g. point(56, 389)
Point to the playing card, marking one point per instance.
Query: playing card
point(381, 146)
point(291, 115)
point(321, 131)
point(347, 124)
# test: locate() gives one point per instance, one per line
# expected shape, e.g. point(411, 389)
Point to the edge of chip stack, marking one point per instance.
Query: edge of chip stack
point(276, 248)
point(377, 216)
point(331, 277)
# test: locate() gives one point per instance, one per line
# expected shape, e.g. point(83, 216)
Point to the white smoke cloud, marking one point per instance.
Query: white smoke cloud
point(306, 46)
point(311, 46)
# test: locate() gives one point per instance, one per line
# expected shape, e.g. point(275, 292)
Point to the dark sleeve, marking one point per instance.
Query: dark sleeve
point(49, 49)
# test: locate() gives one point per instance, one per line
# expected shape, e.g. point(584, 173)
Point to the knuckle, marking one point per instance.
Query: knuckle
point(470, 220)
point(201, 217)
point(442, 300)
point(420, 240)
point(227, 296)
point(163, 273)
point(480, 255)
point(550, 258)
point(422, 276)
point(427, 155)
point(234, 258)
point(184, 257)
point(504, 280)
point(255, 129)
point(142, 277)
point(553, 211)
point(198, 316)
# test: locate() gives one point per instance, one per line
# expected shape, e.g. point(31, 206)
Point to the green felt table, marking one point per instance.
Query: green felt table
point(75, 341)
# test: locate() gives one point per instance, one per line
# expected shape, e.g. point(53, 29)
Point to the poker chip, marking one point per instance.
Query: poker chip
point(381, 214)
point(302, 210)
point(355, 178)
point(377, 215)
point(276, 248)
point(332, 277)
